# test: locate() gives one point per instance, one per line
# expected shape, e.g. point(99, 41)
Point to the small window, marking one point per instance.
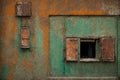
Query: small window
point(90, 49)
point(87, 48)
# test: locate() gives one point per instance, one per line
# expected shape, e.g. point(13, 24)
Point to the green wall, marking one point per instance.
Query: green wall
point(80, 26)
point(118, 45)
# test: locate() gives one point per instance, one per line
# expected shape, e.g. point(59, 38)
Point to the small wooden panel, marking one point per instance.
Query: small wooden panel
point(25, 32)
point(25, 36)
point(108, 49)
point(23, 9)
point(71, 49)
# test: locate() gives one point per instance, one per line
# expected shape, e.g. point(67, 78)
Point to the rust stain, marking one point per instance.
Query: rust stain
point(9, 40)
point(46, 45)
point(44, 9)
point(12, 63)
point(44, 5)
point(9, 24)
point(77, 12)
point(14, 28)
point(10, 9)
point(53, 12)
point(9, 27)
point(66, 2)
point(33, 55)
point(87, 12)
point(27, 65)
point(34, 5)
point(44, 26)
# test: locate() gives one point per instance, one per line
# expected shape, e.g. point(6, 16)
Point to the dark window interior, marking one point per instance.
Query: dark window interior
point(87, 49)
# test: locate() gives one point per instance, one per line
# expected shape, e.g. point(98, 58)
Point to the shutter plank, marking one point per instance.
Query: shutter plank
point(25, 36)
point(71, 49)
point(23, 9)
point(108, 49)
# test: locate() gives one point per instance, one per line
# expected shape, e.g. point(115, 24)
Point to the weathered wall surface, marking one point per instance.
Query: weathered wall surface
point(33, 63)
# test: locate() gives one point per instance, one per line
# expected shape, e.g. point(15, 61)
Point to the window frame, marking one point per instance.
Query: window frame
point(98, 52)
point(97, 49)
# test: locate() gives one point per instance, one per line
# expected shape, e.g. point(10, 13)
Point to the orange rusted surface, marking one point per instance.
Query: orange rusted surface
point(42, 9)
point(46, 46)
point(27, 65)
point(12, 63)
point(87, 12)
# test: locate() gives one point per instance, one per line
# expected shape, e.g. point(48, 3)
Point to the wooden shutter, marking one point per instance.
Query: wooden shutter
point(25, 36)
point(71, 49)
point(108, 49)
point(27, 9)
point(23, 9)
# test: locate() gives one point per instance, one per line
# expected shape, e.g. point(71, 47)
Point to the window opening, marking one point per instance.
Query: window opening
point(87, 49)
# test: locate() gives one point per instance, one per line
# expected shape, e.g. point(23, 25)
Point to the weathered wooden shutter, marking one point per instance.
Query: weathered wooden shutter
point(23, 9)
point(108, 49)
point(71, 49)
point(25, 36)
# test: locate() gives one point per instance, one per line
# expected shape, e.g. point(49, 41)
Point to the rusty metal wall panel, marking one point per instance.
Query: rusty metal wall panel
point(108, 49)
point(25, 36)
point(71, 49)
point(11, 56)
point(23, 9)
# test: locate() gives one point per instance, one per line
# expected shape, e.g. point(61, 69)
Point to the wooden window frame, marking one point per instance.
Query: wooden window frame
point(90, 39)
point(98, 53)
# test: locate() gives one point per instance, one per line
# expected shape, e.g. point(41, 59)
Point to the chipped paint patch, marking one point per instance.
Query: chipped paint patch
point(87, 12)
point(27, 65)
point(110, 8)
point(13, 62)
point(5, 72)
point(46, 46)
point(39, 37)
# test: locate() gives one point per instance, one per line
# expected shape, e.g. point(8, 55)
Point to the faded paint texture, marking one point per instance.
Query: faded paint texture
point(77, 26)
point(33, 63)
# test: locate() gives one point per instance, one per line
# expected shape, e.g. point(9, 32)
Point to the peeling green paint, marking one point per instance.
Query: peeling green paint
point(118, 46)
point(39, 37)
point(4, 72)
point(90, 26)
point(39, 70)
point(56, 46)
